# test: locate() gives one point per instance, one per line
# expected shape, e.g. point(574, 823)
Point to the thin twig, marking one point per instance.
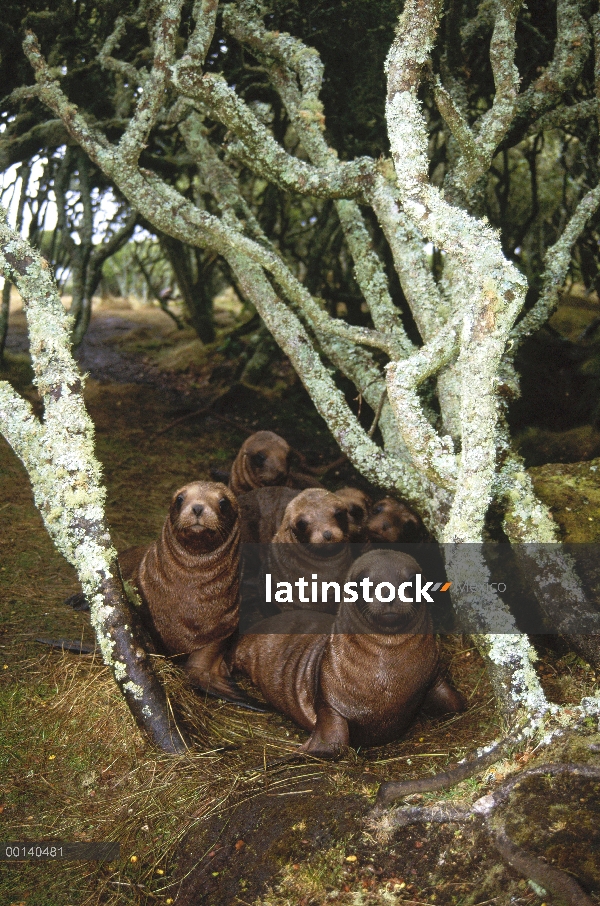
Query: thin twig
point(371, 430)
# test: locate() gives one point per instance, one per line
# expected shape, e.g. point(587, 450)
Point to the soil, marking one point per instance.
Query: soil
point(294, 834)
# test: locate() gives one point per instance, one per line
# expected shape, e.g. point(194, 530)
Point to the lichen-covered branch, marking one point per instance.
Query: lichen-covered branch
point(498, 289)
point(556, 261)
point(565, 116)
point(432, 454)
point(305, 111)
point(408, 249)
point(106, 59)
point(260, 151)
point(58, 454)
point(204, 15)
point(152, 99)
point(290, 334)
point(571, 51)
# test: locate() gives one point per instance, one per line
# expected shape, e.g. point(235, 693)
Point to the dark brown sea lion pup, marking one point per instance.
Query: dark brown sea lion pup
point(263, 461)
point(188, 581)
point(392, 522)
point(358, 678)
point(359, 506)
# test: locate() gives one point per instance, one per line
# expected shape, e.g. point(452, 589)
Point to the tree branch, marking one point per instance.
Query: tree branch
point(133, 140)
point(557, 882)
point(305, 111)
point(557, 261)
point(259, 151)
point(497, 287)
point(432, 454)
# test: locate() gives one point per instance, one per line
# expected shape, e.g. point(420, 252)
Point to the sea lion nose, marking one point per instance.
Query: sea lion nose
point(327, 535)
point(198, 509)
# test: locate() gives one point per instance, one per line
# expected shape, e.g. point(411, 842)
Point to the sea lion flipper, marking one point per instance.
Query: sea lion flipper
point(330, 736)
point(443, 698)
point(227, 690)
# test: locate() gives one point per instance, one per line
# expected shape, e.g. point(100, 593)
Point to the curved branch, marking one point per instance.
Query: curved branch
point(133, 140)
point(259, 150)
point(497, 287)
point(434, 455)
point(571, 51)
point(557, 261)
point(304, 109)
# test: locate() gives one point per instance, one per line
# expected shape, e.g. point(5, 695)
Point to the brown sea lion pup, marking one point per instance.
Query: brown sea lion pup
point(188, 581)
point(300, 532)
point(391, 522)
point(358, 678)
point(313, 537)
point(263, 461)
point(359, 506)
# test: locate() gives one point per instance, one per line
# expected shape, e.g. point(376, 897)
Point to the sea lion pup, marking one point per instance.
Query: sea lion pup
point(313, 538)
point(359, 505)
point(391, 522)
point(263, 461)
point(188, 581)
point(358, 678)
point(299, 533)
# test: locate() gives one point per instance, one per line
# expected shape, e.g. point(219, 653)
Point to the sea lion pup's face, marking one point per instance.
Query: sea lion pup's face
point(391, 521)
point(203, 515)
point(318, 518)
point(394, 568)
point(267, 458)
point(358, 504)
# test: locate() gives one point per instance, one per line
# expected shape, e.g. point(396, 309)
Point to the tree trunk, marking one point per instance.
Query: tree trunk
point(59, 458)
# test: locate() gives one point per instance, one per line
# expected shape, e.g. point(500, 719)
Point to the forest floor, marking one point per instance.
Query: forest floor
point(215, 827)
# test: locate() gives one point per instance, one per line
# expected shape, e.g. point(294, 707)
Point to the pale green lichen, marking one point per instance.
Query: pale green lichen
point(135, 690)
point(120, 671)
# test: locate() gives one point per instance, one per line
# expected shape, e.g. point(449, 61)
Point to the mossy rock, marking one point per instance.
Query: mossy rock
point(572, 492)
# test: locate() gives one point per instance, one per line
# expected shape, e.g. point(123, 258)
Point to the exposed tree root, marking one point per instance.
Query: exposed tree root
point(391, 791)
point(557, 882)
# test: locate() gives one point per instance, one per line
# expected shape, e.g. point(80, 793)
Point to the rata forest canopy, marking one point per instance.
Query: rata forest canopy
point(400, 196)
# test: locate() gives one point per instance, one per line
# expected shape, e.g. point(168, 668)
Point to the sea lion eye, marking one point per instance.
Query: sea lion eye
point(377, 509)
point(258, 460)
point(224, 505)
point(179, 501)
point(356, 512)
point(301, 525)
point(341, 517)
